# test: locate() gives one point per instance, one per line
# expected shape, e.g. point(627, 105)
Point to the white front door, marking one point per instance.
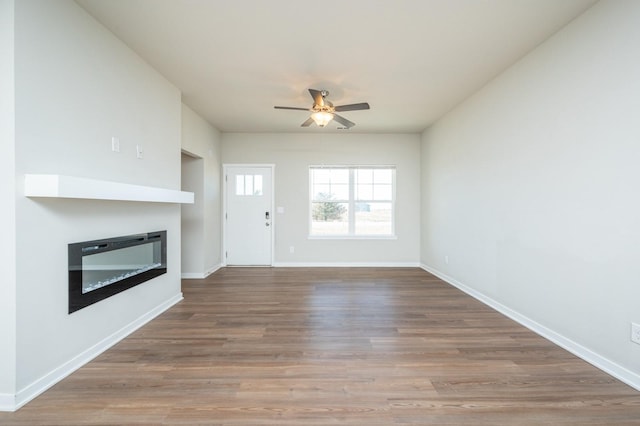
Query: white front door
point(248, 215)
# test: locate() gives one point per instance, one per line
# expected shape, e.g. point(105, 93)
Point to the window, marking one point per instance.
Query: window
point(354, 201)
point(248, 184)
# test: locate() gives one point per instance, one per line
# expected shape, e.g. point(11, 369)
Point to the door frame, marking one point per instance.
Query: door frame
point(223, 216)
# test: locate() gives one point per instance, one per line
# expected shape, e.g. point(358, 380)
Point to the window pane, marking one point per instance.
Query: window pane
point(321, 175)
point(383, 176)
point(239, 184)
point(330, 184)
point(322, 192)
point(364, 192)
point(374, 219)
point(383, 192)
point(257, 185)
point(340, 192)
point(340, 176)
point(248, 185)
point(337, 175)
point(364, 176)
point(329, 218)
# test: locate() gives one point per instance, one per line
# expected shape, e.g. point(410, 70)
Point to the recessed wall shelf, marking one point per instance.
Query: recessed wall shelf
point(60, 186)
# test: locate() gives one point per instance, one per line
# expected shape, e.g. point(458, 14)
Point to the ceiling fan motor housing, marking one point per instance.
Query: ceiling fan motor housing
point(328, 107)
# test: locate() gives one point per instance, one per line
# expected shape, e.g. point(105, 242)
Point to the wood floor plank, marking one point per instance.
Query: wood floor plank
point(322, 346)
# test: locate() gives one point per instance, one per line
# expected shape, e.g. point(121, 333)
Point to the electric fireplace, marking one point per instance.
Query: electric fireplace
point(101, 268)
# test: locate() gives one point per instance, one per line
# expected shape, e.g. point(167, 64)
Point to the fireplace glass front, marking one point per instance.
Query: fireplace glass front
point(101, 268)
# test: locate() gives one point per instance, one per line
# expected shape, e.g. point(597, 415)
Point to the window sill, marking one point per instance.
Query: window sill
point(352, 237)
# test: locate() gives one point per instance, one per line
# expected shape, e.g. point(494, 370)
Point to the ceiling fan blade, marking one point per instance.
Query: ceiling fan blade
point(317, 97)
point(295, 108)
point(346, 123)
point(352, 107)
point(307, 123)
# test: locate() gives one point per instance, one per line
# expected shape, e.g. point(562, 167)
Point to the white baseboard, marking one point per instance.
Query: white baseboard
point(199, 275)
point(346, 265)
point(212, 269)
point(192, 276)
point(619, 372)
point(7, 402)
point(14, 402)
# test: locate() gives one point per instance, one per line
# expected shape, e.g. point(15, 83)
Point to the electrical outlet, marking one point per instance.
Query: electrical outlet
point(292, 249)
point(115, 144)
point(635, 333)
point(446, 260)
point(139, 151)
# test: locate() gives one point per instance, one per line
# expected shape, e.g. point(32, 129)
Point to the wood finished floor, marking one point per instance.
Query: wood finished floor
point(358, 346)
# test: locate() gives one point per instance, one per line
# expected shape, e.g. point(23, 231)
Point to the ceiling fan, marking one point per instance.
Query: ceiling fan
point(323, 111)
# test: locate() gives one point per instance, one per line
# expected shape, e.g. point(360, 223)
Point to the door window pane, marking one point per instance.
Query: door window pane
point(239, 184)
point(257, 185)
point(248, 185)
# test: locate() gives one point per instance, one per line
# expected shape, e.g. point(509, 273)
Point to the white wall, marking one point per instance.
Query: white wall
point(7, 211)
point(292, 155)
point(192, 218)
point(76, 87)
point(530, 188)
point(202, 221)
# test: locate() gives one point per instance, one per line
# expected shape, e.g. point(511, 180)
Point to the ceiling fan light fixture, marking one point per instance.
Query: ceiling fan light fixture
point(322, 118)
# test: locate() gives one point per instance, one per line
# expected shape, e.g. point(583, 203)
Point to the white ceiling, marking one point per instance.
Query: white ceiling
point(412, 60)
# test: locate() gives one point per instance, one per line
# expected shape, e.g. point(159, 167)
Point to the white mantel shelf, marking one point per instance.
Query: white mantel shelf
point(59, 186)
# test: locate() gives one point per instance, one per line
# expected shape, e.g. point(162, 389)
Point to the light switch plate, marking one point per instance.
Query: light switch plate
point(635, 333)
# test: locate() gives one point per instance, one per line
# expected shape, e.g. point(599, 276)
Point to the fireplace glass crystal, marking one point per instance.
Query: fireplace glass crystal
point(103, 269)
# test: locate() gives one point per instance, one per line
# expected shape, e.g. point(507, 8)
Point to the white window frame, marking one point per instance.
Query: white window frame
point(352, 202)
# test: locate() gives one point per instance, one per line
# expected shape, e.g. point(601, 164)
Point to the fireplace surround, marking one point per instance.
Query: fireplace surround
point(99, 269)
